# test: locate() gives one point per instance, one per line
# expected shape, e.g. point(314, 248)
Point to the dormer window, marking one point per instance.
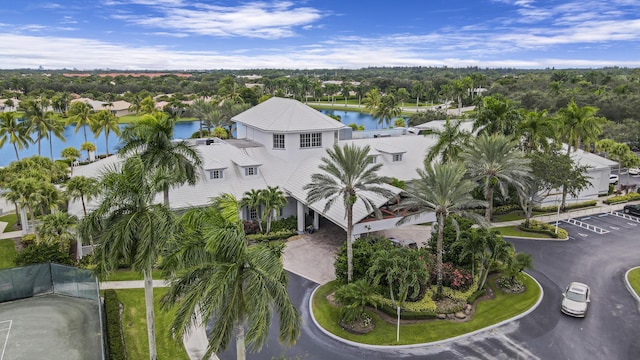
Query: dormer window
point(216, 174)
point(397, 157)
point(250, 171)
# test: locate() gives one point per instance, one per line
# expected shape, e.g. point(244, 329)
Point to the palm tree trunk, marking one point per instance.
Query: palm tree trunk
point(84, 129)
point(441, 221)
point(84, 208)
point(33, 221)
point(489, 197)
point(106, 139)
point(349, 244)
point(241, 353)
point(165, 192)
point(15, 148)
point(50, 146)
point(148, 300)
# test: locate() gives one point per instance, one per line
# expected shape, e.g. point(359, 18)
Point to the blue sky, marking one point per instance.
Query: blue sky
point(194, 35)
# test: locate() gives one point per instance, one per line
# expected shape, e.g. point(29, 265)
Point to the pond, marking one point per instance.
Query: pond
point(182, 130)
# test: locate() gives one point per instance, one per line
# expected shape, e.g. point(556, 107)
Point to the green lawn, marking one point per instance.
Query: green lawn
point(488, 312)
point(10, 219)
point(7, 253)
point(126, 275)
point(514, 231)
point(634, 280)
point(134, 324)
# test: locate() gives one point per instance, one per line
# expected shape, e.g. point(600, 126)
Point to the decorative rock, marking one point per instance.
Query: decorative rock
point(441, 316)
point(451, 316)
point(460, 315)
point(468, 310)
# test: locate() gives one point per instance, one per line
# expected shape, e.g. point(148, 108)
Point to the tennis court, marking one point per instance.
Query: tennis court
point(50, 326)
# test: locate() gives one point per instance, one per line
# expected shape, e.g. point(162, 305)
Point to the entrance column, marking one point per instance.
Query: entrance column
point(316, 220)
point(300, 208)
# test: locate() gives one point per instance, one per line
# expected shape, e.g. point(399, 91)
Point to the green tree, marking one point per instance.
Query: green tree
point(38, 118)
point(147, 106)
point(496, 161)
point(217, 276)
point(80, 114)
point(55, 127)
point(105, 120)
point(89, 147)
point(496, 250)
point(252, 199)
point(580, 125)
point(58, 228)
point(70, 154)
point(83, 188)
point(273, 200)
point(176, 162)
point(450, 144)
point(497, 115)
point(347, 175)
point(354, 297)
point(537, 129)
point(15, 131)
point(387, 110)
point(129, 229)
point(442, 189)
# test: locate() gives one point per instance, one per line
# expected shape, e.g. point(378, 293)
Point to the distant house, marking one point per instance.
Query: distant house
point(6, 108)
point(118, 108)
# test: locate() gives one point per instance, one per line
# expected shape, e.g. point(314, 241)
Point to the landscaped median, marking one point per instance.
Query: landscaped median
point(488, 313)
point(632, 281)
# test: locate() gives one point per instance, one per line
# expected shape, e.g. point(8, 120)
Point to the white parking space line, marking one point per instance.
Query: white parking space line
point(6, 339)
point(632, 224)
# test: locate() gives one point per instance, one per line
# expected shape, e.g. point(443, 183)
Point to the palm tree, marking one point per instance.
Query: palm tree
point(89, 147)
point(151, 138)
point(387, 110)
point(372, 101)
point(83, 188)
point(129, 228)
point(208, 113)
point(105, 120)
point(451, 142)
point(536, 128)
point(495, 160)
point(252, 199)
point(55, 127)
point(497, 115)
point(38, 118)
point(273, 200)
point(58, 227)
point(472, 245)
point(70, 154)
point(80, 114)
point(496, 249)
point(580, 125)
point(347, 175)
point(218, 277)
point(15, 131)
point(441, 188)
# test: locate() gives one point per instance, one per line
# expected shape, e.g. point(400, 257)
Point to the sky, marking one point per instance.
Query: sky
point(310, 34)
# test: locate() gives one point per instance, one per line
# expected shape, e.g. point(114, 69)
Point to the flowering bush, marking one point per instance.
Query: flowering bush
point(456, 279)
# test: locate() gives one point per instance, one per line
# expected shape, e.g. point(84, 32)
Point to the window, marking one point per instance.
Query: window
point(309, 140)
point(215, 174)
point(397, 157)
point(249, 171)
point(278, 141)
point(253, 213)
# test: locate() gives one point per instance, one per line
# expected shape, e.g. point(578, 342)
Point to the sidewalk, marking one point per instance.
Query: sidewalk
point(195, 339)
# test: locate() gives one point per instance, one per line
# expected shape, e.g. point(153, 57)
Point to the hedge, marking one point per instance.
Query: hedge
point(622, 198)
point(544, 228)
point(471, 299)
point(115, 342)
point(274, 235)
point(579, 205)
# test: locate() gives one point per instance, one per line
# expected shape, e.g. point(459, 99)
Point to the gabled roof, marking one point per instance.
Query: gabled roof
point(286, 115)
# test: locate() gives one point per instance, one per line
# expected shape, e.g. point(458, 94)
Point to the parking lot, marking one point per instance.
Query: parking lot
point(604, 225)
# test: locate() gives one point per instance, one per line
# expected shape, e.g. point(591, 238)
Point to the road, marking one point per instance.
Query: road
point(610, 330)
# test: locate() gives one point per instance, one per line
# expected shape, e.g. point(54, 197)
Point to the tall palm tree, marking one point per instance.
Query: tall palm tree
point(347, 175)
point(252, 199)
point(129, 228)
point(55, 127)
point(218, 277)
point(15, 131)
point(372, 101)
point(273, 200)
point(441, 188)
point(80, 114)
point(450, 144)
point(497, 115)
point(38, 117)
point(387, 110)
point(495, 160)
point(537, 128)
point(83, 188)
point(207, 113)
point(70, 154)
point(105, 120)
point(151, 138)
point(580, 125)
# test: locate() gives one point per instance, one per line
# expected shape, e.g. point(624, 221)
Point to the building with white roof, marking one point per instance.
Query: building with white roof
point(280, 142)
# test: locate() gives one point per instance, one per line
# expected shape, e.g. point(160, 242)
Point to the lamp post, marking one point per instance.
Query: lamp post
point(557, 216)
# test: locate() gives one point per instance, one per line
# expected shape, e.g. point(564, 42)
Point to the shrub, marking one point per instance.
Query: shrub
point(28, 240)
point(274, 235)
point(505, 209)
point(580, 205)
point(251, 227)
point(456, 295)
point(363, 250)
point(42, 253)
point(290, 223)
point(115, 343)
point(423, 308)
point(622, 198)
point(544, 228)
point(457, 279)
point(471, 299)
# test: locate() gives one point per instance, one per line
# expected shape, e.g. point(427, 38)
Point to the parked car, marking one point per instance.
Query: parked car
point(634, 171)
point(632, 209)
point(575, 299)
point(613, 179)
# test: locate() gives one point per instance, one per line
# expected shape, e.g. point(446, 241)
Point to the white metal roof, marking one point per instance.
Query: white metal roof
point(286, 115)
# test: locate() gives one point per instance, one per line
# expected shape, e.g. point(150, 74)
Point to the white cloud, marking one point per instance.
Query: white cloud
point(257, 19)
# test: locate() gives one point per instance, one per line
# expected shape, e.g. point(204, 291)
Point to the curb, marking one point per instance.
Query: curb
point(532, 238)
point(627, 284)
point(432, 343)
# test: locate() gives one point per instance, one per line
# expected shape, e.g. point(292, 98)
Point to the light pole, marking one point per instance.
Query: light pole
point(557, 216)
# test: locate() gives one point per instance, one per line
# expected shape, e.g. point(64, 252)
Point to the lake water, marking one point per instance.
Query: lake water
point(182, 130)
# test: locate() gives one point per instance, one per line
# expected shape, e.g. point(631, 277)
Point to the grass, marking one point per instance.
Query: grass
point(127, 275)
point(488, 312)
point(11, 220)
point(130, 119)
point(134, 323)
point(514, 231)
point(7, 253)
point(634, 280)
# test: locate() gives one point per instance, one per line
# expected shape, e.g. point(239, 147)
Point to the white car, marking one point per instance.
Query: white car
point(575, 299)
point(634, 171)
point(613, 179)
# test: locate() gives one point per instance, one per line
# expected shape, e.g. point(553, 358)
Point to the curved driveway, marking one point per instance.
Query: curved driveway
point(611, 329)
